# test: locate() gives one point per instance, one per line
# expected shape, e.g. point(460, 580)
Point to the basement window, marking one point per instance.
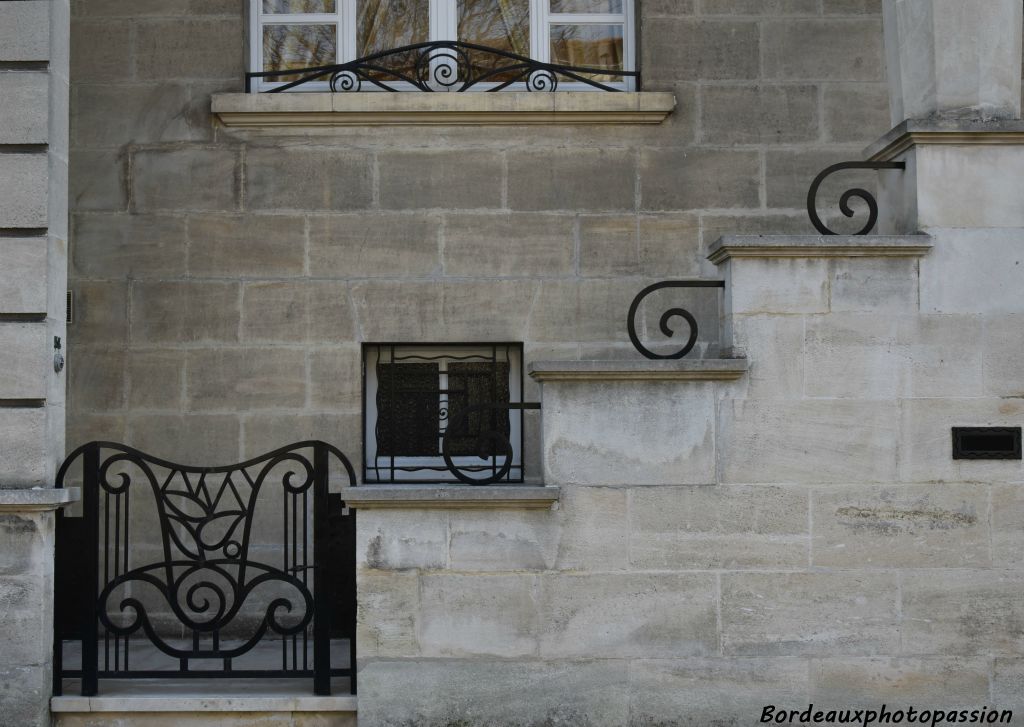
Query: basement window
point(429, 409)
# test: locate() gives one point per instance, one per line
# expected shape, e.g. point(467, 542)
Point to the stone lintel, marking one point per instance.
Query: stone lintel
point(254, 111)
point(36, 499)
point(643, 370)
point(450, 497)
point(818, 246)
point(958, 132)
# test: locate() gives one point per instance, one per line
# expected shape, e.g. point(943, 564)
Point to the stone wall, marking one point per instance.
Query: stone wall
point(820, 544)
point(223, 281)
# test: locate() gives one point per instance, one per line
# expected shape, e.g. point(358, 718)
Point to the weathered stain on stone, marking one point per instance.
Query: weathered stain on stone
point(891, 520)
point(374, 553)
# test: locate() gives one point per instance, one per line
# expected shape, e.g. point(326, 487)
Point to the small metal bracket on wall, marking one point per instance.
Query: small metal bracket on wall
point(844, 201)
point(58, 357)
point(634, 308)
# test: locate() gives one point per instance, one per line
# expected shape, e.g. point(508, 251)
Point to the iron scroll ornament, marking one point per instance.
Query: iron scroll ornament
point(634, 307)
point(492, 437)
point(205, 573)
point(844, 201)
point(446, 65)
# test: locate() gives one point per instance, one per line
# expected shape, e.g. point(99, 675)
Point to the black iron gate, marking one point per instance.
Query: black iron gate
point(174, 571)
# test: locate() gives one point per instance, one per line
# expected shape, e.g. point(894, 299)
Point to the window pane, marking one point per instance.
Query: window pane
point(408, 409)
point(500, 24)
point(298, 46)
point(592, 46)
point(477, 384)
point(299, 6)
point(586, 6)
point(383, 25)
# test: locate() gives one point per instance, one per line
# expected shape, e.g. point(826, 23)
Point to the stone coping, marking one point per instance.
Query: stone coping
point(697, 369)
point(37, 499)
point(961, 132)
point(454, 497)
point(199, 702)
point(268, 111)
point(810, 246)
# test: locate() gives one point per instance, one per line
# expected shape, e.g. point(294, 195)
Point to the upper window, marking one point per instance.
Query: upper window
point(296, 34)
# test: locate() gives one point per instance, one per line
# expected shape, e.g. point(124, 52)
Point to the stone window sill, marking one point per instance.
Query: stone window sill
point(299, 110)
point(208, 700)
point(37, 499)
point(450, 497)
point(720, 369)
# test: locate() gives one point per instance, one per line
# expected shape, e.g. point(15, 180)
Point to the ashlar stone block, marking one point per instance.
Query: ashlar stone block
point(179, 312)
point(689, 179)
point(593, 532)
point(728, 527)
point(128, 246)
point(824, 49)
point(572, 179)
point(23, 117)
point(25, 262)
point(916, 526)
point(664, 433)
point(24, 187)
point(447, 179)
point(628, 615)
point(25, 30)
point(314, 311)
point(698, 692)
point(819, 441)
point(963, 612)
point(306, 179)
point(938, 682)
point(374, 245)
point(688, 49)
point(479, 615)
point(445, 692)
point(184, 179)
point(402, 540)
point(25, 360)
point(810, 614)
point(509, 245)
point(759, 114)
point(525, 540)
point(388, 609)
point(250, 378)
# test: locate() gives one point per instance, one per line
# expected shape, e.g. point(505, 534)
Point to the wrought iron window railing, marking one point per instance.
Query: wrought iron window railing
point(435, 413)
point(445, 65)
point(173, 571)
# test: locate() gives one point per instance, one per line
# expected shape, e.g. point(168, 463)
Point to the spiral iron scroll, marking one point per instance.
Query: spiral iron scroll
point(484, 438)
point(634, 308)
point(844, 201)
point(445, 65)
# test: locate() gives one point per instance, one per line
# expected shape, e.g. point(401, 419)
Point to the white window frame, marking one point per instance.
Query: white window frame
point(444, 26)
point(370, 459)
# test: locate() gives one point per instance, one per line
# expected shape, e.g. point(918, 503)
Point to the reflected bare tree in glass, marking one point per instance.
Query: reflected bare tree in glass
point(385, 24)
point(590, 46)
point(501, 24)
point(287, 47)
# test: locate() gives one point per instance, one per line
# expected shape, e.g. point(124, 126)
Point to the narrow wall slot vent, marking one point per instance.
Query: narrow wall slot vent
point(986, 442)
point(70, 308)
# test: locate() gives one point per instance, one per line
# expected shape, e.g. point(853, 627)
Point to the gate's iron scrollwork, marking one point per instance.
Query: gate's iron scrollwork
point(443, 65)
point(199, 566)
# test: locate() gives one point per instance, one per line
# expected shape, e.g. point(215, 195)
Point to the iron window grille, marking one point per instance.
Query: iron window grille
point(443, 413)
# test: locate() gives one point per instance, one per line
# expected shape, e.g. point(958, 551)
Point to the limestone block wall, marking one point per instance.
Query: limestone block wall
point(819, 544)
point(33, 233)
point(223, 281)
